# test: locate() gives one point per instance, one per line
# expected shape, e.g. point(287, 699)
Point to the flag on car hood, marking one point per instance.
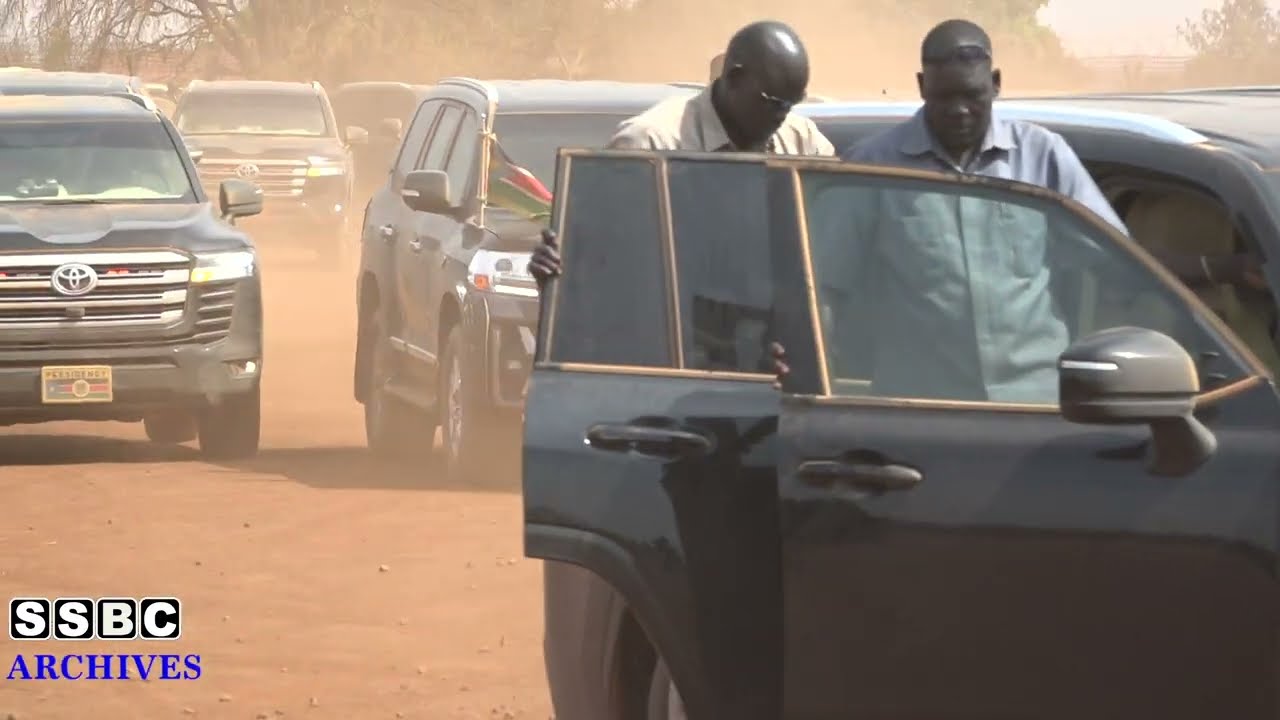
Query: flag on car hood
point(515, 189)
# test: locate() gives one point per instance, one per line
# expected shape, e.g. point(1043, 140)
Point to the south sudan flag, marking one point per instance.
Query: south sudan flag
point(513, 188)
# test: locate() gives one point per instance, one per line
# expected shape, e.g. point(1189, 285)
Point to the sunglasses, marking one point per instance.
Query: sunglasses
point(773, 102)
point(964, 53)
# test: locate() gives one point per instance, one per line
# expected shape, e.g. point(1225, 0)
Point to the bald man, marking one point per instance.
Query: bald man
point(764, 74)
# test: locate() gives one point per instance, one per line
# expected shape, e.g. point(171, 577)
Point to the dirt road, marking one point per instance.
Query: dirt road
point(315, 582)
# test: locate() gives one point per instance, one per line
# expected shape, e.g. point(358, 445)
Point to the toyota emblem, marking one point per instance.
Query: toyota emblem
point(73, 279)
point(247, 171)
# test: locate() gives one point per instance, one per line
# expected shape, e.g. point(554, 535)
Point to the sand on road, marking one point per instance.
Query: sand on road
point(315, 582)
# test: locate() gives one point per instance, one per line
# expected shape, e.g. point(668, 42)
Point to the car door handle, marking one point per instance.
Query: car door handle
point(872, 477)
point(387, 232)
point(646, 440)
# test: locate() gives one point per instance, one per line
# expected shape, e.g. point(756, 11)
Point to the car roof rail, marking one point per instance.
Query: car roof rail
point(142, 100)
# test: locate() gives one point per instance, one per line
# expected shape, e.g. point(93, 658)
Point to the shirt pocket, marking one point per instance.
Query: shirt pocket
point(1023, 234)
point(917, 246)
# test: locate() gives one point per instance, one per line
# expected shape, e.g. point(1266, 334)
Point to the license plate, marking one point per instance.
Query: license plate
point(61, 384)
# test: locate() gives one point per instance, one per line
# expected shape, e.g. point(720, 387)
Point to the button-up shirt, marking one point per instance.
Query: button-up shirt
point(956, 287)
point(691, 123)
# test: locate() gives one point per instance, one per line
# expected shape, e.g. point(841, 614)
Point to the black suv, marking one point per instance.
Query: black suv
point(447, 311)
point(284, 137)
point(123, 294)
point(879, 539)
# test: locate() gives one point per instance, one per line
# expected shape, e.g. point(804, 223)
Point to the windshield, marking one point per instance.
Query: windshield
point(94, 161)
point(252, 114)
point(531, 139)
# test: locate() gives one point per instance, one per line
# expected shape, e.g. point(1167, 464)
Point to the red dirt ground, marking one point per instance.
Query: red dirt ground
point(316, 583)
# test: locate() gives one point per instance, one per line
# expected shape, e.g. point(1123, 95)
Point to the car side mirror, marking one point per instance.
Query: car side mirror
point(1135, 376)
point(427, 191)
point(390, 127)
point(239, 198)
point(196, 155)
point(356, 135)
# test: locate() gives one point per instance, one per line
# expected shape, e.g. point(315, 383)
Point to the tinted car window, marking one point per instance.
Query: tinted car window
point(950, 291)
point(531, 139)
point(412, 148)
point(441, 141)
point(101, 161)
point(720, 218)
point(255, 113)
point(463, 158)
point(611, 304)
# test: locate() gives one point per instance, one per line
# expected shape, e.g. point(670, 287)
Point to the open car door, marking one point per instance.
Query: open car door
point(952, 546)
point(650, 418)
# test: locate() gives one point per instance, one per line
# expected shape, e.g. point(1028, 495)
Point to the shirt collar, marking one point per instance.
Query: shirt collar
point(919, 141)
point(710, 129)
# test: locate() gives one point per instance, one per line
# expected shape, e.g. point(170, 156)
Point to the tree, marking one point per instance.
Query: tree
point(1235, 43)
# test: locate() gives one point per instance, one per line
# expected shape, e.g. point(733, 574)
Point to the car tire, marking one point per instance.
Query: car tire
point(664, 699)
point(388, 424)
point(465, 419)
point(231, 430)
point(170, 428)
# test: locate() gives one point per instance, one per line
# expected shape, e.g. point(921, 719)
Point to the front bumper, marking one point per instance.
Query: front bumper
point(167, 371)
point(500, 333)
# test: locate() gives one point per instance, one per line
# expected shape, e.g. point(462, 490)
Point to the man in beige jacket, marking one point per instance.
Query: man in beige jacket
point(764, 74)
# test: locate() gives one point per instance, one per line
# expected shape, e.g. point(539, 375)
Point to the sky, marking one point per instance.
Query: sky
point(1124, 27)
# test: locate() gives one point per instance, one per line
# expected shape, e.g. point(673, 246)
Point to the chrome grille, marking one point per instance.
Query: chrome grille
point(135, 289)
point(277, 178)
point(213, 313)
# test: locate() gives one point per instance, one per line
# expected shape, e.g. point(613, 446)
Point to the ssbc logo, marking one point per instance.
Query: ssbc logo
point(108, 618)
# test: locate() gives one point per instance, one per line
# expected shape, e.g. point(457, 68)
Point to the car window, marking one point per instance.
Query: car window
point(252, 113)
point(531, 139)
point(611, 306)
point(720, 221)
point(412, 148)
point(462, 159)
point(441, 140)
point(99, 161)
point(939, 290)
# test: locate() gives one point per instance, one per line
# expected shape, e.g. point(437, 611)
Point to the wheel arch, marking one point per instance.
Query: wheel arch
point(624, 628)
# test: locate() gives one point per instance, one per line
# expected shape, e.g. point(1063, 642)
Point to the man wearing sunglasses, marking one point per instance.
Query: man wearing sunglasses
point(747, 108)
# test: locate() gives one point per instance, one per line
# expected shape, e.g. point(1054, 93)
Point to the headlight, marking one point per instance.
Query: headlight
point(324, 167)
point(506, 273)
point(214, 267)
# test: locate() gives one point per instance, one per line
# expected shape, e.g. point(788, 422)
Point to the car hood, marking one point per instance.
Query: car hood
point(193, 227)
point(512, 233)
point(263, 146)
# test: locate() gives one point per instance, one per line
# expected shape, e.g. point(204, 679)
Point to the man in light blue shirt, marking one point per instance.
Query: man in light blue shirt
point(948, 296)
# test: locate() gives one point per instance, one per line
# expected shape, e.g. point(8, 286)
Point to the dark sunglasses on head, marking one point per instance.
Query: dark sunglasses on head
point(964, 53)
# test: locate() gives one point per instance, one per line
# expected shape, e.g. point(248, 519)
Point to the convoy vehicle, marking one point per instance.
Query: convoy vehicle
point(284, 137)
point(28, 81)
point(124, 295)
point(445, 304)
point(383, 108)
point(719, 548)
